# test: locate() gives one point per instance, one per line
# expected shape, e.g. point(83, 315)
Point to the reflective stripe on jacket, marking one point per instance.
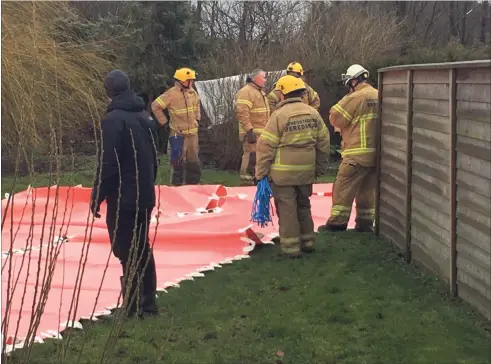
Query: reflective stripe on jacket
point(311, 97)
point(294, 146)
point(184, 109)
point(252, 109)
point(355, 115)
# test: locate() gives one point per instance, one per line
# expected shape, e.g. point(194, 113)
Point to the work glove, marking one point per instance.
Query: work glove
point(251, 137)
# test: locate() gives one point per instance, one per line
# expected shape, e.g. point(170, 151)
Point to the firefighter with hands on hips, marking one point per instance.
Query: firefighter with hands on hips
point(292, 151)
point(183, 105)
point(355, 116)
point(310, 97)
point(252, 112)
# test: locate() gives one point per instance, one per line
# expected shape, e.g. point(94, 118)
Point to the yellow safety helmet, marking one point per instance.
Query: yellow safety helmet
point(295, 67)
point(288, 83)
point(184, 74)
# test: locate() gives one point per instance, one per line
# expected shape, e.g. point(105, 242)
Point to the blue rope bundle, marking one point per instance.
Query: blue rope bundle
point(177, 144)
point(261, 206)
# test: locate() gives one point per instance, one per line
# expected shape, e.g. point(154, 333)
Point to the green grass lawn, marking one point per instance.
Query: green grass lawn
point(352, 301)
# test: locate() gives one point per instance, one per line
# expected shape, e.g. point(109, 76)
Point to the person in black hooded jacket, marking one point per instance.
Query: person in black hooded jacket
point(125, 179)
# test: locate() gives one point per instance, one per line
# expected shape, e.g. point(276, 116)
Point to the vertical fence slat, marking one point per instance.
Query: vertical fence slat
point(409, 164)
point(453, 183)
point(378, 152)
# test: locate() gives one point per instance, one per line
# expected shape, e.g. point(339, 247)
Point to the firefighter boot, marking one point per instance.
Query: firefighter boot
point(177, 176)
point(192, 175)
point(290, 247)
point(365, 203)
point(332, 228)
point(307, 242)
point(304, 214)
point(192, 164)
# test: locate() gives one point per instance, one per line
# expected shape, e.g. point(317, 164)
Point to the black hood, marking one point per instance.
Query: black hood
point(127, 101)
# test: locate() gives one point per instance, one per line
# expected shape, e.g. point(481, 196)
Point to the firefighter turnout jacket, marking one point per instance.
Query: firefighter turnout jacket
point(183, 105)
point(311, 97)
point(294, 147)
point(251, 109)
point(355, 116)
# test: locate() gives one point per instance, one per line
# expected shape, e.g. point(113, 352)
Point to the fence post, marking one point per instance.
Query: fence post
point(409, 164)
point(453, 182)
point(378, 152)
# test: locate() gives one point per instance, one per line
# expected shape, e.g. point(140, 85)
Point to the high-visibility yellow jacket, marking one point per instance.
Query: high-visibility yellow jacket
point(184, 109)
point(294, 147)
point(355, 115)
point(311, 97)
point(251, 109)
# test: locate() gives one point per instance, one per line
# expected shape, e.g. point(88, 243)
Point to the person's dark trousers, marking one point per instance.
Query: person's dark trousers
point(130, 244)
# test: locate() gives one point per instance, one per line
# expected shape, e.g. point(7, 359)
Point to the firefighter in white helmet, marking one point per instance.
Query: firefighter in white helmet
point(355, 116)
point(310, 97)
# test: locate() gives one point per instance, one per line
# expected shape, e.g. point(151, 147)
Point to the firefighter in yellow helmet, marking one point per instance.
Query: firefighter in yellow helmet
point(252, 112)
point(183, 105)
point(310, 97)
point(292, 152)
point(355, 115)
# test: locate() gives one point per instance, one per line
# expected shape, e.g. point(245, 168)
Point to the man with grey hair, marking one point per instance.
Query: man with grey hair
point(252, 111)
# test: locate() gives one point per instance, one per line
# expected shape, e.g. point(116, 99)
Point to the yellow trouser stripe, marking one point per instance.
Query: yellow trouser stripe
point(365, 213)
point(307, 237)
point(340, 210)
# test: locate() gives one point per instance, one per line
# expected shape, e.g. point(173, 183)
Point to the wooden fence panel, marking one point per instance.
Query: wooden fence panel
point(430, 222)
point(392, 161)
point(473, 159)
point(434, 154)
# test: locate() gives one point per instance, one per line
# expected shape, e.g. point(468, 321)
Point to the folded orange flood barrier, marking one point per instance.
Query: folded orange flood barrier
point(49, 241)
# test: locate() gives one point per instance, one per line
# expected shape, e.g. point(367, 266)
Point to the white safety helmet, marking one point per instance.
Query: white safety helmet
point(354, 72)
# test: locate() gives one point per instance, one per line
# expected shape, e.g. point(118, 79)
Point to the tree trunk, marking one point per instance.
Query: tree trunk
point(451, 19)
point(197, 15)
point(430, 23)
point(484, 20)
point(463, 29)
point(243, 24)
